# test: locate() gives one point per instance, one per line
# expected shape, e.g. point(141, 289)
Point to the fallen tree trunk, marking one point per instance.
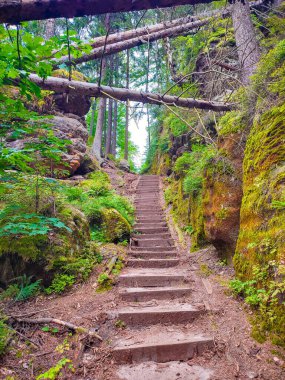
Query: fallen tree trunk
point(60, 85)
point(15, 11)
point(130, 43)
point(128, 34)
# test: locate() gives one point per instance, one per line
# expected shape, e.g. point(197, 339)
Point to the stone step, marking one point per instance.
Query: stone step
point(148, 208)
point(152, 263)
point(158, 235)
point(150, 213)
point(161, 347)
point(167, 371)
point(152, 243)
point(146, 201)
point(154, 230)
point(146, 180)
point(151, 277)
point(146, 255)
point(145, 189)
point(145, 316)
point(166, 250)
point(151, 219)
point(150, 224)
point(158, 293)
point(152, 182)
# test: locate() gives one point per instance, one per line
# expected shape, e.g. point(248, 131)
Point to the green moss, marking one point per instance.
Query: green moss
point(116, 227)
point(75, 75)
point(187, 210)
point(231, 122)
point(261, 239)
point(28, 247)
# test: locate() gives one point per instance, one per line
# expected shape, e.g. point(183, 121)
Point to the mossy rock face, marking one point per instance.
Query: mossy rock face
point(261, 242)
point(262, 226)
point(35, 255)
point(115, 226)
point(222, 196)
point(161, 165)
point(187, 211)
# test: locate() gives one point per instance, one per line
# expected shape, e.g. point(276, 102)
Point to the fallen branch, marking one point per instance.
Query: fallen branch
point(56, 321)
point(24, 337)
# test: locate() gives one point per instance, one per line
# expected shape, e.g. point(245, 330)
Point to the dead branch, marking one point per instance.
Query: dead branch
point(56, 321)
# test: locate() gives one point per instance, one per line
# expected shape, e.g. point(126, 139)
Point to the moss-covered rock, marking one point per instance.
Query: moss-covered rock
point(261, 237)
point(187, 211)
point(35, 255)
point(222, 195)
point(116, 228)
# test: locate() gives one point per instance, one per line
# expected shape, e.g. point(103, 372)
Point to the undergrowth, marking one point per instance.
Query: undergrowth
point(266, 296)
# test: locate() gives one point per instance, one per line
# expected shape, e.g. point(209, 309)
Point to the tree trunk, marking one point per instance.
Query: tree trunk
point(144, 31)
point(110, 49)
point(110, 110)
point(109, 128)
point(91, 130)
point(245, 36)
point(60, 85)
point(97, 143)
point(14, 11)
point(115, 126)
point(49, 28)
point(126, 154)
point(170, 60)
point(146, 89)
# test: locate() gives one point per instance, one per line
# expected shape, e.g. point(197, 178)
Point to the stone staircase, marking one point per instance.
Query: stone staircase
point(153, 274)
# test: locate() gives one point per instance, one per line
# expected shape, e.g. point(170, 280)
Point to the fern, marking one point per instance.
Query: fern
point(27, 288)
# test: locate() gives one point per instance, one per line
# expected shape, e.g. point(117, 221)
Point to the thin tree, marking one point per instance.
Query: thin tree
point(126, 154)
point(92, 121)
point(245, 36)
point(97, 143)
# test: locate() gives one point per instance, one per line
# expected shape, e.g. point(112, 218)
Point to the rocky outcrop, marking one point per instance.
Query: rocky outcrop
point(73, 103)
point(222, 196)
point(124, 165)
point(37, 255)
point(261, 238)
point(65, 128)
point(116, 227)
point(68, 128)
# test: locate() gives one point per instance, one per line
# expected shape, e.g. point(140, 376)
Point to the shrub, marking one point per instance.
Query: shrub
point(81, 267)
point(105, 282)
point(10, 293)
point(54, 372)
point(60, 283)
point(5, 334)
point(192, 164)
